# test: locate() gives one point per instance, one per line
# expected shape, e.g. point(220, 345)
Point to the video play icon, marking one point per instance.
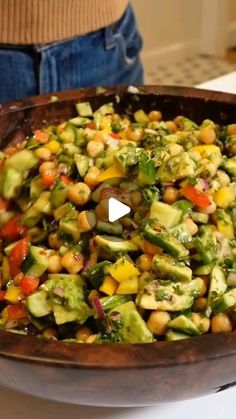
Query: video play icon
point(116, 209)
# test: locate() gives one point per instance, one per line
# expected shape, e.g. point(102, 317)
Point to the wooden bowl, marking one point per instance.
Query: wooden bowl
point(118, 374)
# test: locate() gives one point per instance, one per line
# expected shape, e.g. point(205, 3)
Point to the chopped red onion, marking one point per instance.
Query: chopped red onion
point(205, 184)
point(98, 307)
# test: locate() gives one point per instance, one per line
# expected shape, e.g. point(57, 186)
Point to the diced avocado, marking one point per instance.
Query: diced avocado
point(134, 328)
point(204, 269)
point(172, 335)
point(68, 135)
point(218, 284)
point(70, 305)
point(224, 223)
point(224, 302)
point(84, 109)
point(63, 210)
point(109, 228)
point(200, 217)
point(230, 166)
point(165, 214)
point(82, 164)
point(187, 124)
point(43, 203)
point(168, 267)
point(36, 187)
point(146, 170)
point(38, 304)
point(36, 262)
point(67, 277)
point(58, 194)
point(181, 233)
point(113, 244)
point(96, 273)
point(176, 296)
point(166, 241)
point(22, 160)
point(184, 324)
point(11, 183)
point(176, 167)
point(206, 244)
point(68, 226)
point(31, 217)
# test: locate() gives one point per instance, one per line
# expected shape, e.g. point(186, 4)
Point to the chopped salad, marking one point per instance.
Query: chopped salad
point(165, 271)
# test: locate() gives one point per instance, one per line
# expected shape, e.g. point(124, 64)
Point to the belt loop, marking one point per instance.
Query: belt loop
point(109, 37)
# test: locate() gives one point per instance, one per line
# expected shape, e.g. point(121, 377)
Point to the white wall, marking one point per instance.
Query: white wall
point(171, 29)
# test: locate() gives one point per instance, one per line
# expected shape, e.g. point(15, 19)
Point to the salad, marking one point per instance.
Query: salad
point(165, 271)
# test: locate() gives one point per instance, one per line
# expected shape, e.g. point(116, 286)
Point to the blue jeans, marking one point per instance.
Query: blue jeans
point(106, 57)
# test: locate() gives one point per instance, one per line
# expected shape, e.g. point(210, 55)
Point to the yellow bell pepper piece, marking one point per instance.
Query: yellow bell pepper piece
point(109, 285)
point(128, 286)
point(114, 171)
point(206, 150)
point(224, 196)
point(13, 294)
point(122, 270)
point(5, 270)
point(53, 146)
point(226, 229)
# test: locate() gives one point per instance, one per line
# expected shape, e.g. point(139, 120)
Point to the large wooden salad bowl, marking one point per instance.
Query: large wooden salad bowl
point(117, 374)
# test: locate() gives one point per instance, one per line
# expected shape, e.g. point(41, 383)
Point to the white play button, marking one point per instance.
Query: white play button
point(116, 209)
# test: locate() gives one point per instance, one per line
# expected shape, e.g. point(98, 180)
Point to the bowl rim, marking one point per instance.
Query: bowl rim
point(197, 349)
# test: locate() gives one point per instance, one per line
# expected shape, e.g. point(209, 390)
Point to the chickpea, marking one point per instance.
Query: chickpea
point(170, 195)
point(136, 198)
point(100, 136)
point(221, 323)
point(155, 116)
point(191, 225)
point(83, 333)
point(86, 221)
point(46, 166)
point(200, 304)
point(203, 288)
point(94, 148)
point(170, 125)
point(72, 262)
point(54, 264)
point(102, 210)
point(50, 333)
point(202, 322)
point(175, 149)
point(207, 135)
point(79, 193)
point(54, 241)
point(91, 176)
point(145, 262)
point(157, 322)
point(134, 134)
point(223, 177)
point(231, 129)
point(43, 153)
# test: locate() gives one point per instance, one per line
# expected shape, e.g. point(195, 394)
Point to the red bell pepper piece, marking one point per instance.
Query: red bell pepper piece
point(18, 255)
point(66, 180)
point(49, 178)
point(16, 311)
point(114, 135)
point(14, 229)
point(29, 284)
point(196, 197)
point(91, 125)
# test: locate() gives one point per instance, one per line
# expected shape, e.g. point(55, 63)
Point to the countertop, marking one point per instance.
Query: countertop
point(218, 406)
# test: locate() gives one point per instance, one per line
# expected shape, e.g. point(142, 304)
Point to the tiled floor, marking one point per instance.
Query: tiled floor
point(190, 71)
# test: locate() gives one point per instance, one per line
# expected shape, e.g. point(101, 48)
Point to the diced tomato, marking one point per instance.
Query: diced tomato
point(14, 229)
point(4, 204)
point(41, 136)
point(16, 311)
point(66, 180)
point(2, 295)
point(196, 197)
point(18, 255)
point(114, 135)
point(91, 125)
point(29, 284)
point(49, 178)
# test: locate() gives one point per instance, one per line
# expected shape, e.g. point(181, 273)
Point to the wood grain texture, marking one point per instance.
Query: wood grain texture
point(117, 375)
